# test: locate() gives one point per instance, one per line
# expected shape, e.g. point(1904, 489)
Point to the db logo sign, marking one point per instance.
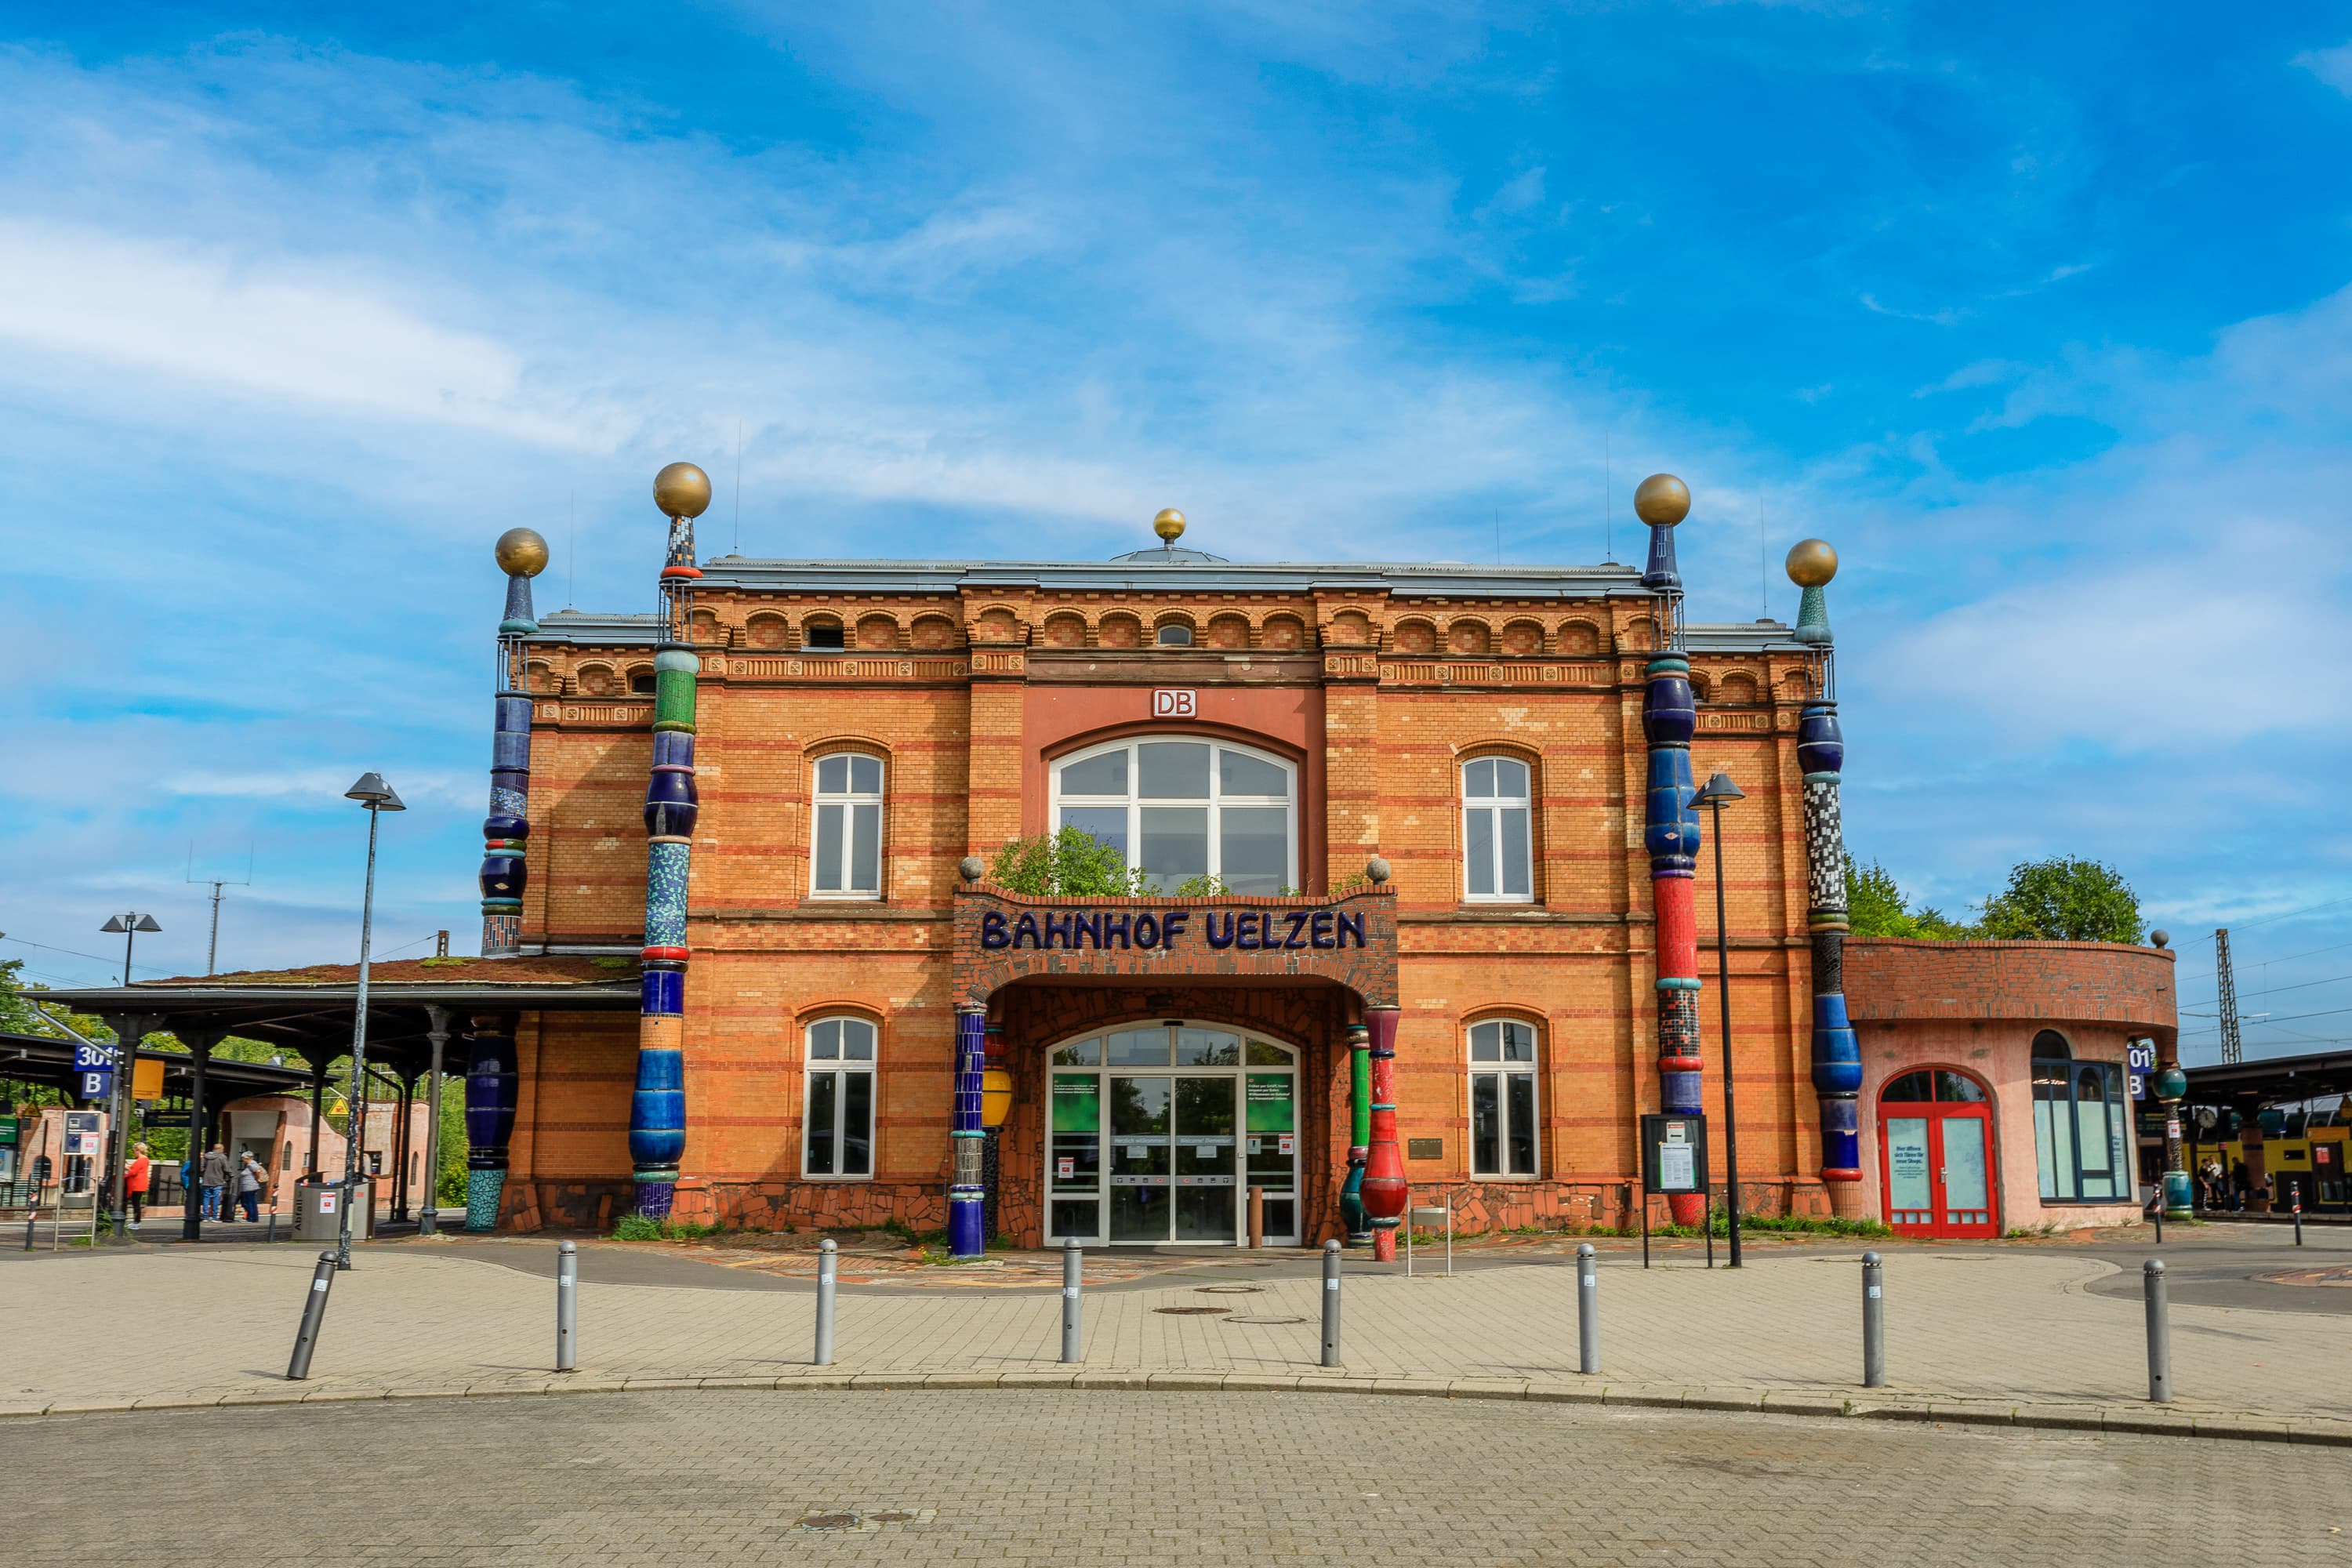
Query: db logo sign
point(1172, 705)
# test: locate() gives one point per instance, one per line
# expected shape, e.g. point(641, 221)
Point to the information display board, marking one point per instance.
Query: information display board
point(1674, 1153)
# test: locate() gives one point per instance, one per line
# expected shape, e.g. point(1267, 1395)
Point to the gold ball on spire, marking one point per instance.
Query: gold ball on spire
point(521, 552)
point(1662, 498)
point(681, 490)
point(1812, 562)
point(1169, 525)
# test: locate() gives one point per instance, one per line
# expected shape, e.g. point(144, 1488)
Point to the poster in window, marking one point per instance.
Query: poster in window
point(1077, 1102)
point(1677, 1168)
point(1268, 1097)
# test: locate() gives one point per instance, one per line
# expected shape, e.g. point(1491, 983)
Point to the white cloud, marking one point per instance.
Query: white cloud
point(2333, 67)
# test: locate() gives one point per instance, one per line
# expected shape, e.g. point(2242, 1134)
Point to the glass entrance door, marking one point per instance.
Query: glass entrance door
point(1157, 1132)
point(1935, 1159)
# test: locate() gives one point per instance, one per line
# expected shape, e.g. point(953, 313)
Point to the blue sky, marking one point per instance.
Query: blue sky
point(2041, 314)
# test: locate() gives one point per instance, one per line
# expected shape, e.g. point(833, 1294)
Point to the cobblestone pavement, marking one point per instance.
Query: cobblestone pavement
point(1074, 1480)
point(1994, 1331)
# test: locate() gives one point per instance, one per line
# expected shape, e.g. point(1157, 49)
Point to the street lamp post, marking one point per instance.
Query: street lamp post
point(1717, 791)
point(129, 923)
point(371, 791)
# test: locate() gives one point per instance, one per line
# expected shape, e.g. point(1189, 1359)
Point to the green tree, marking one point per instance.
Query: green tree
point(1072, 863)
point(1876, 906)
point(2063, 900)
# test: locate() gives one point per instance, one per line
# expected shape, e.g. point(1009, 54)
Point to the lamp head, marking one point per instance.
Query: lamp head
point(1719, 790)
point(371, 791)
point(113, 926)
point(146, 922)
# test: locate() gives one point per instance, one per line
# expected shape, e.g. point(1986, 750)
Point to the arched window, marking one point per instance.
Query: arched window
point(1503, 1126)
point(1175, 634)
point(838, 1113)
point(2080, 1125)
point(1497, 863)
point(1186, 808)
point(847, 862)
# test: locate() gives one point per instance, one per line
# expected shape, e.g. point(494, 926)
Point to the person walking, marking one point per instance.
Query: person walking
point(135, 1178)
point(251, 1178)
point(212, 1175)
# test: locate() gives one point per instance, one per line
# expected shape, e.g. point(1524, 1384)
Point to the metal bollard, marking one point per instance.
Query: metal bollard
point(1588, 1309)
point(2298, 1222)
point(273, 1225)
point(1331, 1303)
point(829, 1271)
point(2159, 1223)
point(2160, 1333)
point(1873, 1321)
point(1074, 1258)
point(314, 1313)
point(567, 1306)
point(29, 1220)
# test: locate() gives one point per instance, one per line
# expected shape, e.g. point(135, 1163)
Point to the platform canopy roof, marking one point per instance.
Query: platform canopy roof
point(2272, 1080)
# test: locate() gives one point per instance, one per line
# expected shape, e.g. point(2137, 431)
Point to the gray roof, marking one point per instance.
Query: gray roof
point(1184, 571)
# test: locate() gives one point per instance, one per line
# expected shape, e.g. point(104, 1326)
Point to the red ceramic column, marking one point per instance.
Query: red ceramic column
point(1384, 1183)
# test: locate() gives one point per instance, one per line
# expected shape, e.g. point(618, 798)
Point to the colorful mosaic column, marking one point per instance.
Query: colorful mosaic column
point(658, 1110)
point(1385, 1189)
point(1671, 824)
point(1352, 1217)
point(967, 1195)
point(490, 1115)
point(991, 1143)
point(1821, 756)
point(522, 556)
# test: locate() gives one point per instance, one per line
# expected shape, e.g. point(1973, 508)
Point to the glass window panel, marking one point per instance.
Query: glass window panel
point(1478, 779)
point(824, 1040)
point(1238, 773)
point(1105, 774)
point(865, 850)
point(856, 1124)
point(828, 848)
point(1172, 770)
point(1081, 1219)
point(1519, 1043)
point(1176, 842)
point(1510, 778)
point(2062, 1148)
point(1079, 1054)
point(865, 774)
point(1253, 847)
point(1138, 1048)
point(1486, 1041)
point(1959, 1090)
point(1174, 636)
point(2091, 1140)
point(1522, 1124)
point(2051, 1043)
point(1966, 1183)
point(817, 1122)
point(856, 1039)
point(1485, 1124)
point(1912, 1088)
point(1107, 823)
point(2045, 1147)
point(1909, 1184)
point(1267, 1054)
point(1207, 1049)
point(1478, 851)
point(1517, 873)
point(832, 775)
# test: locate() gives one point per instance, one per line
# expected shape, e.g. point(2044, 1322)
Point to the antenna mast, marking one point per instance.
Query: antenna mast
point(211, 945)
point(2233, 1049)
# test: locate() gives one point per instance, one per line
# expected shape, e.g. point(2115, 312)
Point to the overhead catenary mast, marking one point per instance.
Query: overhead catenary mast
point(2232, 1048)
point(212, 944)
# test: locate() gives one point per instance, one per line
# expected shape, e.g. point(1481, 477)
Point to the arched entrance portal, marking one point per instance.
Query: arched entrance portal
point(1157, 1132)
point(1936, 1164)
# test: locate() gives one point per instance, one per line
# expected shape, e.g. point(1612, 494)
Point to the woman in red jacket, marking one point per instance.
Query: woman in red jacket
point(135, 1177)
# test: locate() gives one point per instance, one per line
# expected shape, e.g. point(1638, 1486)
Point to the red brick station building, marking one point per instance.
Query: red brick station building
point(1419, 787)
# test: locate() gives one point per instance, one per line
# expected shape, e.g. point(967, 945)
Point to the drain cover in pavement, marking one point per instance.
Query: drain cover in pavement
point(1265, 1320)
point(1190, 1311)
point(1229, 1289)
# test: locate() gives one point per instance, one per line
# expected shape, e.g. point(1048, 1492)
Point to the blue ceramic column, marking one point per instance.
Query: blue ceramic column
point(658, 1108)
point(490, 1115)
point(522, 555)
point(1821, 756)
point(967, 1193)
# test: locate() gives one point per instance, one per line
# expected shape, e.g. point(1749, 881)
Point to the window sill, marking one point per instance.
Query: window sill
point(1512, 1181)
point(835, 1180)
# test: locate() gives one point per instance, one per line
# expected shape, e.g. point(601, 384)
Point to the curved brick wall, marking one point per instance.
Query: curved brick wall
point(1890, 980)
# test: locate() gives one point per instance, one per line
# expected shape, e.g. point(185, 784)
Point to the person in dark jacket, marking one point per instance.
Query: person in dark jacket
point(212, 1175)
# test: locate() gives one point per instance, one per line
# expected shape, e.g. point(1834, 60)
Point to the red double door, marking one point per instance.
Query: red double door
point(1935, 1169)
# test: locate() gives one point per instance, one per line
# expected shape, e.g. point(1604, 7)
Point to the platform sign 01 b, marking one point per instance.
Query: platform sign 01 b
point(1674, 1153)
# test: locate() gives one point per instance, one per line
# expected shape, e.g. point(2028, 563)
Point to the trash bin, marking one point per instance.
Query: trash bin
point(318, 1205)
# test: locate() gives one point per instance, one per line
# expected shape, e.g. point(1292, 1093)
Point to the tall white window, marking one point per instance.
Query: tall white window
point(1182, 809)
point(848, 863)
point(1502, 1099)
point(838, 1115)
point(1496, 863)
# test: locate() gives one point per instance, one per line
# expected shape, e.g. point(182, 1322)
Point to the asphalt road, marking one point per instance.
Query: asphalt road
point(1076, 1479)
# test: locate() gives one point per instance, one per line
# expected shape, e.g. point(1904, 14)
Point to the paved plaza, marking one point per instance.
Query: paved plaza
point(2054, 1335)
point(1063, 1479)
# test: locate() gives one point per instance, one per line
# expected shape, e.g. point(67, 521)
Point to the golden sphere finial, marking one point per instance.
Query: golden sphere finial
point(1662, 498)
point(1812, 562)
point(681, 490)
point(1169, 525)
point(521, 552)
